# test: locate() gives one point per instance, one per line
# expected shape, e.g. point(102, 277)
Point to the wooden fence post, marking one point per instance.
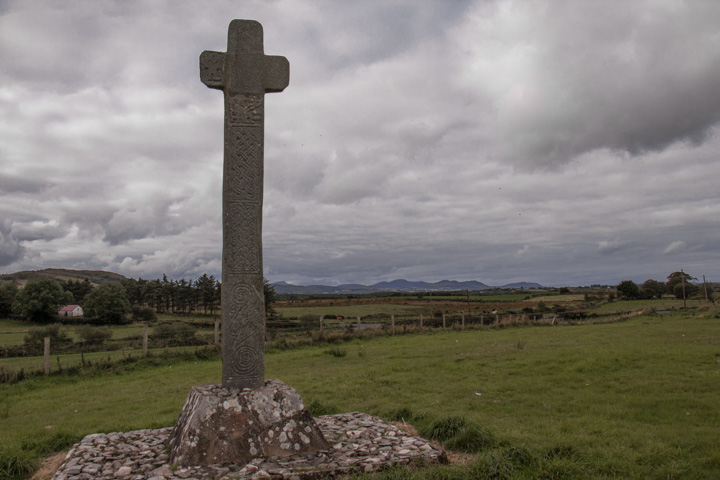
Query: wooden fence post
point(46, 356)
point(145, 341)
point(321, 323)
point(358, 323)
point(444, 324)
point(392, 323)
point(463, 320)
point(497, 319)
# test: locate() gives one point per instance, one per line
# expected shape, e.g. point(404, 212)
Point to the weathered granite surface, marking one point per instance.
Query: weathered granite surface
point(244, 73)
point(359, 443)
point(231, 426)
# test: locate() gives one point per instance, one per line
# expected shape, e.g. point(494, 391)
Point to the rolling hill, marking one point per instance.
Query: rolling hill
point(95, 277)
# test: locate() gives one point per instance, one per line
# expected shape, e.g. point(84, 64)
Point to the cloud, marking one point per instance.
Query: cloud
point(500, 141)
point(674, 247)
point(568, 78)
point(10, 249)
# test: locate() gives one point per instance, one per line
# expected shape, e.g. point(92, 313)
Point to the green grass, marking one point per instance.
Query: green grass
point(635, 399)
point(571, 297)
point(352, 311)
point(69, 360)
point(509, 297)
point(629, 305)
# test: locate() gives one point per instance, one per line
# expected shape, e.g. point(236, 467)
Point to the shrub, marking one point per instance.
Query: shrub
point(143, 314)
point(174, 332)
point(94, 335)
point(36, 335)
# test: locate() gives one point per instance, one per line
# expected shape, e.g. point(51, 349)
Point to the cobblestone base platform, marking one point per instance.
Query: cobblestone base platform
point(359, 443)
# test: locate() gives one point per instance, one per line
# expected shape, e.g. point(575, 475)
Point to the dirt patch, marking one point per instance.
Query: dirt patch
point(456, 458)
point(406, 427)
point(49, 466)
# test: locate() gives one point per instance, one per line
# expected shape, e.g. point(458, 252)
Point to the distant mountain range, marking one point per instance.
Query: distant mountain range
point(395, 286)
point(98, 276)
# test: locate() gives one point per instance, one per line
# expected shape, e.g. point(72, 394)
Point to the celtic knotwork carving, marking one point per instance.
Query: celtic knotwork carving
point(243, 238)
point(243, 166)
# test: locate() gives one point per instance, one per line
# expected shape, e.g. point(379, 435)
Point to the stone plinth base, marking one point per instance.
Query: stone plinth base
point(360, 443)
point(228, 426)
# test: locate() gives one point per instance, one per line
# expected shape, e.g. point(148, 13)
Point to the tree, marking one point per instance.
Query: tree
point(206, 288)
point(270, 298)
point(108, 303)
point(628, 290)
point(677, 278)
point(685, 291)
point(78, 289)
point(8, 290)
point(40, 298)
point(652, 288)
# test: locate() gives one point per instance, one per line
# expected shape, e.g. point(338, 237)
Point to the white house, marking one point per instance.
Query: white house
point(70, 311)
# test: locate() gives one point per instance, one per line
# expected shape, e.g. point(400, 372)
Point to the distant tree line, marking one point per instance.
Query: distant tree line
point(113, 302)
point(678, 284)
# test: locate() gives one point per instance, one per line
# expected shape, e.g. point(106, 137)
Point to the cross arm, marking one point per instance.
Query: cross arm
point(212, 65)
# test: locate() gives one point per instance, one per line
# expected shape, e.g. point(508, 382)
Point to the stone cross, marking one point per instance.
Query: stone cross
point(245, 74)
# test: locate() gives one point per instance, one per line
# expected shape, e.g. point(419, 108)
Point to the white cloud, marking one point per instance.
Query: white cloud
point(674, 247)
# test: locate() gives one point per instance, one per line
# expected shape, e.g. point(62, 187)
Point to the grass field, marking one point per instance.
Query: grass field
point(628, 305)
point(635, 399)
point(351, 311)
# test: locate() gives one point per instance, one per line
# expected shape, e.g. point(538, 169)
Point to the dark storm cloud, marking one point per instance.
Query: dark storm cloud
point(10, 249)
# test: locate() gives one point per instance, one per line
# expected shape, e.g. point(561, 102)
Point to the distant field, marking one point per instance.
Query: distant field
point(351, 310)
point(664, 304)
point(573, 297)
point(510, 297)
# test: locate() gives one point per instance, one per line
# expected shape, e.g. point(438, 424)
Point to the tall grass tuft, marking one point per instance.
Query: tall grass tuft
point(445, 428)
point(16, 462)
point(472, 439)
point(337, 352)
point(318, 409)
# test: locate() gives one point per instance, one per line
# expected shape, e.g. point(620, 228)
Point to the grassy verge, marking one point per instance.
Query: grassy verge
point(635, 399)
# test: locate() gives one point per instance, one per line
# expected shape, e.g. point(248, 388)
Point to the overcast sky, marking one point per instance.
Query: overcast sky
point(559, 142)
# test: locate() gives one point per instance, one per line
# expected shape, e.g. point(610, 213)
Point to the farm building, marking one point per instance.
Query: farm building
point(70, 311)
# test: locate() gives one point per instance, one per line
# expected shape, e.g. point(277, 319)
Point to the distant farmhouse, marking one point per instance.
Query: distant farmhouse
point(70, 311)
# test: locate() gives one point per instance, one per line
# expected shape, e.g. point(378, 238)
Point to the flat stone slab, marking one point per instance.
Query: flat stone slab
point(358, 443)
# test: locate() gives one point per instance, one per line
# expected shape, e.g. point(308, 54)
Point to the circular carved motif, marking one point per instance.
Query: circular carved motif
point(246, 360)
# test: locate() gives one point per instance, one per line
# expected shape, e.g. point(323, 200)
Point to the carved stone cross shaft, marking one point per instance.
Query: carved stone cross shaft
point(245, 74)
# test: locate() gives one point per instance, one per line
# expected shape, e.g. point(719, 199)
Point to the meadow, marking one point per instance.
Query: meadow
point(631, 399)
